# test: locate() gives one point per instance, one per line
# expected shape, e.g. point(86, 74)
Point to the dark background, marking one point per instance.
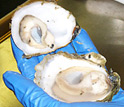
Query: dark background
point(7, 6)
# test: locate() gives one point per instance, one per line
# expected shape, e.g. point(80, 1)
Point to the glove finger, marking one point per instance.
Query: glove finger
point(25, 66)
point(83, 44)
point(26, 91)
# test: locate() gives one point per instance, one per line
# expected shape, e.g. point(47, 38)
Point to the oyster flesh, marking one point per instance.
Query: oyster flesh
point(42, 27)
point(73, 78)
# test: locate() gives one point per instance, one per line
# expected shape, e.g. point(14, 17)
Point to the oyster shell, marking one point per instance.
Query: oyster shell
point(42, 27)
point(73, 78)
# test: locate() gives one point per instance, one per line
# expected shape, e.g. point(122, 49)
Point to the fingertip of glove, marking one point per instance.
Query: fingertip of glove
point(8, 79)
point(7, 74)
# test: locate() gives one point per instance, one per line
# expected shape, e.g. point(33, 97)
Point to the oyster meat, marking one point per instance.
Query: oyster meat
point(73, 78)
point(42, 27)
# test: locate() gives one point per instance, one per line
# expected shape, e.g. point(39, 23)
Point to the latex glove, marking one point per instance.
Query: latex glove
point(30, 95)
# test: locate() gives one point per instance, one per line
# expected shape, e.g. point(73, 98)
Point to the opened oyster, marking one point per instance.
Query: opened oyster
point(43, 27)
point(73, 78)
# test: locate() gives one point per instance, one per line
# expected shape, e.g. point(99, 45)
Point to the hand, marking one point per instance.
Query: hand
point(30, 95)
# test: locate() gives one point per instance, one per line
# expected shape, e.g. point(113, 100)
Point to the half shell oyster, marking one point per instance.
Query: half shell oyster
point(73, 78)
point(42, 27)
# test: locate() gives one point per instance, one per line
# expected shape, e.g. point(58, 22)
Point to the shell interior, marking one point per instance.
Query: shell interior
point(42, 27)
point(72, 78)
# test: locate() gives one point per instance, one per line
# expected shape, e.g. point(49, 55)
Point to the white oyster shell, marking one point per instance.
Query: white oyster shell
point(60, 23)
point(74, 78)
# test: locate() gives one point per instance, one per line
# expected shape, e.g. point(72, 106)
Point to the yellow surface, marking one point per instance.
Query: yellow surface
point(7, 62)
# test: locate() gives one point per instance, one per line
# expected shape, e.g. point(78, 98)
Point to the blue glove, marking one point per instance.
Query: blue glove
point(30, 95)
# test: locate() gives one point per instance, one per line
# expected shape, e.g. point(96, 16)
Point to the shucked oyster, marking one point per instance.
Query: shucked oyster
point(43, 27)
point(73, 78)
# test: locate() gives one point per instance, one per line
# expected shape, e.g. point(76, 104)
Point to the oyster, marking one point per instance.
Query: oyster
point(42, 27)
point(73, 78)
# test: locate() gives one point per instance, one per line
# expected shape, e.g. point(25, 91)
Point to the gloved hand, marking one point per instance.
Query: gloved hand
point(30, 95)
